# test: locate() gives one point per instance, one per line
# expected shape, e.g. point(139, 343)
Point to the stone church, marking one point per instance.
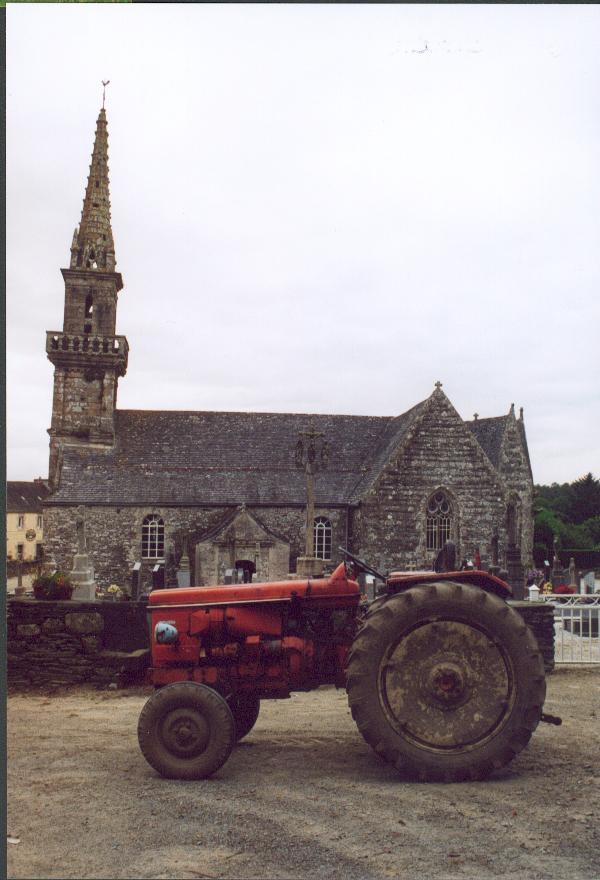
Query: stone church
point(223, 489)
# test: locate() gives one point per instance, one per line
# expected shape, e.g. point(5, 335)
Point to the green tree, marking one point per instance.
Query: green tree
point(569, 511)
point(584, 500)
point(547, 525)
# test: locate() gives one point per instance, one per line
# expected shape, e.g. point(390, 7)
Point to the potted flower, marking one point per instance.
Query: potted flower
point(564, 590)
point(114, 593)
point(53, 586)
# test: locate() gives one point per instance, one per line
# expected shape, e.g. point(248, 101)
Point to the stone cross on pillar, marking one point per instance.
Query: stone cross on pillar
point(82, 575)
point(311, 456)
point(81, 540)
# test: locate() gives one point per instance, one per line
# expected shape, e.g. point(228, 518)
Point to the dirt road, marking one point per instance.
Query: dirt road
point(303, 796)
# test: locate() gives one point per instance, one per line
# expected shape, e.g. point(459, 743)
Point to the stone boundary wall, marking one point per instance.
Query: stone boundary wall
point(57, 643)
point(539, 617)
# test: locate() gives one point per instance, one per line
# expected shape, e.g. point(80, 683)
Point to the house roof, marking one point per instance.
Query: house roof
point(22, 497)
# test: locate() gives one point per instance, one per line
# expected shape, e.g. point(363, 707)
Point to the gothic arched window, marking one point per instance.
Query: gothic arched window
point(322, 533)
point(439, 520)
point(153, 537)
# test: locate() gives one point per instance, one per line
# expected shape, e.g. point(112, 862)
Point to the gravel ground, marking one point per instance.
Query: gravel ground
point(302, 797)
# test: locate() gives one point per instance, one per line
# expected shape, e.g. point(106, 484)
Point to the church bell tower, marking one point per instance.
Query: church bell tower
point(88, 357)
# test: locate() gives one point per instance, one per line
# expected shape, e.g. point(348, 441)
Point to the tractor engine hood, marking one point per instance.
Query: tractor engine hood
point(337, 585)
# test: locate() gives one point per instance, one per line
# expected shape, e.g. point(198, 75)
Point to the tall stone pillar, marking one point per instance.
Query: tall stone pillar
point(82, 574)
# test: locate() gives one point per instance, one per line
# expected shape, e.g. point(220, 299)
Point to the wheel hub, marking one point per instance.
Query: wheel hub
point(185, 732)
point(445, 684)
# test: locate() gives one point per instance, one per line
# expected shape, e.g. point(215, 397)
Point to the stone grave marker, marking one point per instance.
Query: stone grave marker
point(135, 580)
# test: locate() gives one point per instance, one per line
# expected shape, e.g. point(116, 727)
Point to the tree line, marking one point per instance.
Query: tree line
point(571, 511)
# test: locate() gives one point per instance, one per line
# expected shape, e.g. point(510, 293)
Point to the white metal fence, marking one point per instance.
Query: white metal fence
point(576, 628)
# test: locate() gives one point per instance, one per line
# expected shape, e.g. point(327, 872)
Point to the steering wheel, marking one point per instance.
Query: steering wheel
point(362, 566)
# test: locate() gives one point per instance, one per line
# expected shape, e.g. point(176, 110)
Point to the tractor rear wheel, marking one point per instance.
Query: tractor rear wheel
point(245, 709)
point(186, 731)
point(446, 682)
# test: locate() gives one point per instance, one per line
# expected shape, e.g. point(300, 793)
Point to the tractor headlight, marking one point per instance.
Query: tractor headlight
point(165, 633)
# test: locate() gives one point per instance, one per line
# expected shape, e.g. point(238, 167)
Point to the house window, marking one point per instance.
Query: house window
point(322, 536)
point(153, 537)
point(39, 552)
point(20, 551)
point(40, 521)
point(439, 521)
point(21, 522)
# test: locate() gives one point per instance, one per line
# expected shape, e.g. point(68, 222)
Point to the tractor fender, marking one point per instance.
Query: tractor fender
point(399, 581)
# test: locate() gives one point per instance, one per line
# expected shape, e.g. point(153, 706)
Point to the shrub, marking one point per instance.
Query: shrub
point(53, 586)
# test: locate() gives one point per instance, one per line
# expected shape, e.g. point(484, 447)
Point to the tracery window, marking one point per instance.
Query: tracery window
point(153, 537)
point(322, 536)
point(439, 521)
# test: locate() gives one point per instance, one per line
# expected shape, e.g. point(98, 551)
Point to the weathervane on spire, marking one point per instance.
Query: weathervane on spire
point(104, 84)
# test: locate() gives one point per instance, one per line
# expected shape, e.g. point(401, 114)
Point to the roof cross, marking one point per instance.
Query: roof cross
point(104, 84)
point(438, 384)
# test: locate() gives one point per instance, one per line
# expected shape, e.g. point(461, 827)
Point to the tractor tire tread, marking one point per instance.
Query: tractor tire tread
point(376, 730)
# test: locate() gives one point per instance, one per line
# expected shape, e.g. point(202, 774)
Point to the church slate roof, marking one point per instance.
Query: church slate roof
point(219, 458)
point(168, 457)
point(489, 434)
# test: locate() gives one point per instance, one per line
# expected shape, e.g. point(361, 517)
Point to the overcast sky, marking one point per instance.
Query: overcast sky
point(318, 209)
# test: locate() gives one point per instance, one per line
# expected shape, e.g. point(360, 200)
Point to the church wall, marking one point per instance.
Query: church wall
point(114, 535)
point(390, 527)
point(290, 522)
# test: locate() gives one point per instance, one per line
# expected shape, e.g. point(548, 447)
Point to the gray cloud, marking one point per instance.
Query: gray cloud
point(313, 214)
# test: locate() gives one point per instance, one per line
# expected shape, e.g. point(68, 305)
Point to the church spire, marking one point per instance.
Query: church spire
point(93, 246)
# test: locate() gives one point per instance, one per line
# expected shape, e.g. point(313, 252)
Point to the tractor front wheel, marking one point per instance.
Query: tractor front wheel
point(186, 731)
point(446, 682)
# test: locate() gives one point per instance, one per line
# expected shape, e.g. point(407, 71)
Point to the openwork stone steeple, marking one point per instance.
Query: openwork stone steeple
point(93, 246)
point(88, 355)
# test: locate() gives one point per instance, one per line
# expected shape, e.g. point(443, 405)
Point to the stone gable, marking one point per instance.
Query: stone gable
point(439, 454)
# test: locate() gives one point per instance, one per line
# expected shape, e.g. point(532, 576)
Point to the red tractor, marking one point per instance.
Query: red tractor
point(444, 679)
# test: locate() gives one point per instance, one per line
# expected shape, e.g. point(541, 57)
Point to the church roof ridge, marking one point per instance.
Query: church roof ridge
point(254, 412)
